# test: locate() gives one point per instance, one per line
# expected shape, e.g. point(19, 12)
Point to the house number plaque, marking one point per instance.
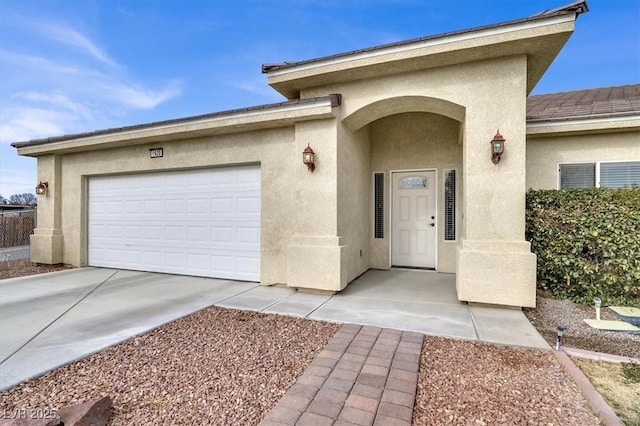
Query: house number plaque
point(155, 152)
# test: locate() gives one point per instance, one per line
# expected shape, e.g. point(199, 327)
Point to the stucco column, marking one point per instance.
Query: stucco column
point(46, 241)
point(494, 261)
point(315, 257)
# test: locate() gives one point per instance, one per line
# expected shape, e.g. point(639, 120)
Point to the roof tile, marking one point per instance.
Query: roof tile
point(604, 101)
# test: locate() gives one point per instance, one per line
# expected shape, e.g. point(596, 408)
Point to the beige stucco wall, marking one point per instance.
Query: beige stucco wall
point(47, 240)
point(490, 95)
point(354, 199)
point(415, 141)
point(495, 264)
point(545, 153)
point(275, 150)
point(316, 255)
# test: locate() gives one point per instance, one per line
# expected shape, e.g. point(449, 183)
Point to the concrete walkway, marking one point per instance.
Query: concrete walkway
point(50, 320)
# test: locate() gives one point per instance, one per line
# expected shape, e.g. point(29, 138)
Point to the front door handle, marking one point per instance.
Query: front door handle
point(432, 224)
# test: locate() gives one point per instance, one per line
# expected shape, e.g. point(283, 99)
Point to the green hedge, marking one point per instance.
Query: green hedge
point(587, 242)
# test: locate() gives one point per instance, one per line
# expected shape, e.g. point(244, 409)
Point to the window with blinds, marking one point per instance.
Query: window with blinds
point(578, 175)
point(449, 212)
point(606, 174)
point(624, 174)
point(378, 205)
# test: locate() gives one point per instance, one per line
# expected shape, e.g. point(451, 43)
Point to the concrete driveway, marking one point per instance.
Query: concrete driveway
point(50, 320)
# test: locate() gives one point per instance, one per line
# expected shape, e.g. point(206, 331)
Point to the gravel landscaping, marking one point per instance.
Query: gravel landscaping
point(229, 367)
point(470, 383)
point(550, 313)
point(22, 267)
point(216, 366)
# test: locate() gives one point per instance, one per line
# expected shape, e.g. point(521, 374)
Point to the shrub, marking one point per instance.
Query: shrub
point(587, 242)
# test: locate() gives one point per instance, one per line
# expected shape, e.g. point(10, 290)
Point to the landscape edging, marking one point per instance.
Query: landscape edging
point(604, 411)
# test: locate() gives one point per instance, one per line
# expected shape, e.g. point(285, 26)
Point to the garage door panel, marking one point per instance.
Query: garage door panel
point(153, 207)
point(174, 206)
point(153, 258)
point(176, 181)
point(249, 235)
point(115, 255)
point(173, 260)
point(222, 263)
point(198, 261)
point(174, 234)
point(198, 206)
point(248, 205)
point(134, 256)
point(197, 233)
point(203, 222)
point(251, 176)
point(114, 207)
point(248, 265)
point(153, 233)
point(222, 205)
point(221, 234)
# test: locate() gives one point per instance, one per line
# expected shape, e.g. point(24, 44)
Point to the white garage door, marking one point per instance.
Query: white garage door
point(196, 222)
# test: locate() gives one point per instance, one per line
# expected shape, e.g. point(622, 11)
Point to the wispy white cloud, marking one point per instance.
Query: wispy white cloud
point(28, 123)
point(56, 100)
point(52, 92)
point(74, 38)
point(18, 180)
point(35, 62)
point(138, 97)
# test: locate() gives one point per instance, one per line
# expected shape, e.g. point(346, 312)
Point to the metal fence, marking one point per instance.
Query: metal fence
point(16, 227)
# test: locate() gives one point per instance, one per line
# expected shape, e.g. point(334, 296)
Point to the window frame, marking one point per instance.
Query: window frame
point(373, 204)
point(456, 219)
point(596, 164)
point(559, 175)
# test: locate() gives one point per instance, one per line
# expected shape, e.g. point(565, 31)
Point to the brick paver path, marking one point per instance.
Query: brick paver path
point(364, 376)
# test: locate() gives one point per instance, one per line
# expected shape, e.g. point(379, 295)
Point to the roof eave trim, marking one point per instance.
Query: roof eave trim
point(279, 116)
point(275, 70)
point(584, 124)
point(578, 7)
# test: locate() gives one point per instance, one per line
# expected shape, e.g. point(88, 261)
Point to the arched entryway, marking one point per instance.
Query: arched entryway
point(416, 161)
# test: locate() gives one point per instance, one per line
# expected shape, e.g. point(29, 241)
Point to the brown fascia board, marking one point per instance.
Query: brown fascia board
point(335, 99)
point(577, 7)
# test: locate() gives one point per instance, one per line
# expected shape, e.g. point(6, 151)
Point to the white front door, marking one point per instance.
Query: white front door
point(413, 229)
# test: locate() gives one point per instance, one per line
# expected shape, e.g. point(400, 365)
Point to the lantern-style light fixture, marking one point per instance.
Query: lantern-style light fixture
point(41, 188)
point(308, 158)
point(497, 147)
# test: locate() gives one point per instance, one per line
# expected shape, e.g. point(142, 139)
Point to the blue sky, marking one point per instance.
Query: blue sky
point(69, 66)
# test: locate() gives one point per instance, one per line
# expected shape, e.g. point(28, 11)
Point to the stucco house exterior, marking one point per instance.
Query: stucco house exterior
point(403, 173)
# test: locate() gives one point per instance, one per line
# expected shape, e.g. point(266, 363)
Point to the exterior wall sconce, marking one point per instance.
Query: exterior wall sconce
point(497, 147)
point(308, 158)
point(41, 188)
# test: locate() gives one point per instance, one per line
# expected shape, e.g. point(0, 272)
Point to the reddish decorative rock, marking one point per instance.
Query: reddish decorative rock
point(96, 412)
